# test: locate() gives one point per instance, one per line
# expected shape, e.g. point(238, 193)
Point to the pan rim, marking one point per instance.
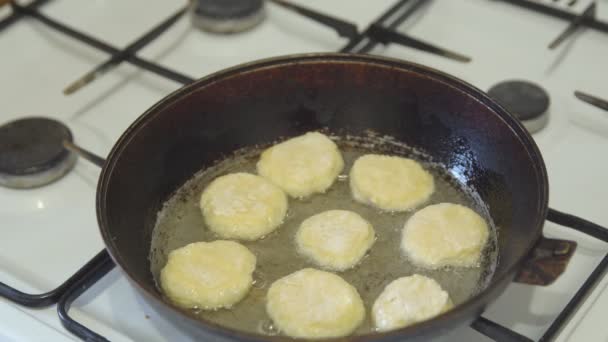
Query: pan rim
point(471, 308)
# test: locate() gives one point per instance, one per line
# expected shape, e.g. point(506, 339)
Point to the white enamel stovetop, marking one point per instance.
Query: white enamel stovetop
point(48, 233)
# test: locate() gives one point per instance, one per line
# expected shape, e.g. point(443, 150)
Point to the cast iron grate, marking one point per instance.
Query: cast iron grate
point(381, 31)
point(560, 13)
point(576, 20)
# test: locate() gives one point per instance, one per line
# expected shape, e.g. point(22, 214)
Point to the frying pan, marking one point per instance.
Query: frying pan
point(480, 144)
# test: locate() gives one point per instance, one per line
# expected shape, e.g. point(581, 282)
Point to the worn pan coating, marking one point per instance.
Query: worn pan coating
point(461, 127)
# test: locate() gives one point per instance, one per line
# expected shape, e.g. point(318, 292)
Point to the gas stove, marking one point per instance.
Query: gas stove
point(49, 232)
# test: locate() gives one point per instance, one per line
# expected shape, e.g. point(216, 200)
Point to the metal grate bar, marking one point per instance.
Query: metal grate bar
point(103, 46)
point(578, 223)
point(572, 307)
point(354, 42)
point(598, 273)
point(15, 16)
point(560, 13)
point(51, 297)
point(342, 27)
point(501, 333)
point(591, 99)
point(497, 332)
point(383, 21)
point(84, 283)
point(385, 36)
point(130, 50)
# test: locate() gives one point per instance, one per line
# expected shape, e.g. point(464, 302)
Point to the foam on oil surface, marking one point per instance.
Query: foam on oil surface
point(180, 222)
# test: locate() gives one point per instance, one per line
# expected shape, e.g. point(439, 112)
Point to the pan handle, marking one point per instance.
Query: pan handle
point(547, 261)
point(550, 257)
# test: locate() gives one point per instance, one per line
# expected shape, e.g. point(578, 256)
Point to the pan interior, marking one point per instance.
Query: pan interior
point(180, 222)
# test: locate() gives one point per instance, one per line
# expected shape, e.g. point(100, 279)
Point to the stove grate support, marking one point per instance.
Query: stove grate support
point(559, 13)
point(15, 16)
point(362, 42)
point(103, 46)
point(51, 297)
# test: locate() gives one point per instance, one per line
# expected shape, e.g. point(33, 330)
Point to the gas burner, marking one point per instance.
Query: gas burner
point(227, 16)
point(32, 152)
point(525, 100)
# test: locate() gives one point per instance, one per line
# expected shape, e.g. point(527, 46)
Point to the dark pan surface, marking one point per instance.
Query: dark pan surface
point(475, 139)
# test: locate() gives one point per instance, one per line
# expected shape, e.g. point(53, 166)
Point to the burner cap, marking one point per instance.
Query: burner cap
point(227, 16)
point(525, 100)
point(32, 153)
